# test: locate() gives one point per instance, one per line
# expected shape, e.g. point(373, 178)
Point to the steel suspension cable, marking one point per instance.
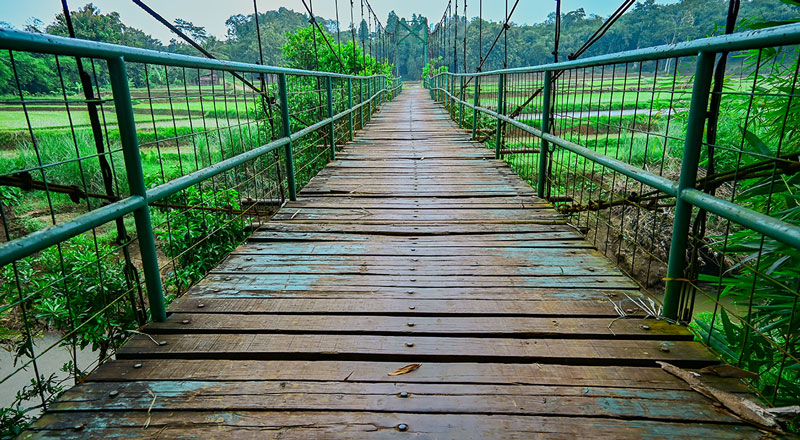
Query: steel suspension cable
point(353, 35)
point(500, 34)
point(480, 33)
point(266, 104)
point(310, 7)
point(557, 36)
point(606, 25)
point(363, 43)
point(339, 35)
point(505, 39)
point(464, 49)
point(310, 10)
point(455, 39)
point(602, 29)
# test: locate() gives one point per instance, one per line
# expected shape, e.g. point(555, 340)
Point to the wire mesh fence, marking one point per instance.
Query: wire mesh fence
point(680, 164)
point(213, 160)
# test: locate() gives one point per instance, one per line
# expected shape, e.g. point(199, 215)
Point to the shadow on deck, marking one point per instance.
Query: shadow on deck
point(414, 246)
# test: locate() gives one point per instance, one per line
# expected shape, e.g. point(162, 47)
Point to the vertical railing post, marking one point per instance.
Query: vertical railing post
point(475, 101)
point(445, 89)
point(461, 104)
point(546, 109)
point(500, 105)
point(361, 101)
point(369, 100)
point(287, 131)
point(691, 158)
point(451, 87)
point(350, 106)
point(133, 168)
point(332, 126)
point(453, 107)
point(442, 86)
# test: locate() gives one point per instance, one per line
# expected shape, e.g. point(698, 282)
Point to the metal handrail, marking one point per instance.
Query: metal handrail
point(141, 197)
point(55, 45)
point(776, 36)
point(684, 191)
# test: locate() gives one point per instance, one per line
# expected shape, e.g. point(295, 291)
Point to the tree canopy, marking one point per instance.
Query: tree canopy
point(287, 38)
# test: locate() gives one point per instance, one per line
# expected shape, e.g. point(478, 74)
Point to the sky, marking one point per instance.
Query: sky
point(212, 14)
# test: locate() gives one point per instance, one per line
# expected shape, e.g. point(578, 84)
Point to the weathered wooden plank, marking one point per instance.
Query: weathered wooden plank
point(430, 372)
point(555, 327)
point(665, 405)
point(412, 215)
point(543, 249)
point(424, 349)
point(394, 266)
point(401, 229)
point(441, 240)
point(217, 302)
point(342, 424)
point(309, 281)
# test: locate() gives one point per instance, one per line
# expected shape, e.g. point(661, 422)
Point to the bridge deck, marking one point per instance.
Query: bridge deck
point(415, 246)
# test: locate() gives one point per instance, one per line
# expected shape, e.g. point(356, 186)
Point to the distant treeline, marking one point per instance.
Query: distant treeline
point(646, 24)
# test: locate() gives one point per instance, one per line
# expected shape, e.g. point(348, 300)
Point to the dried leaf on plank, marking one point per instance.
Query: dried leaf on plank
point(407, 369)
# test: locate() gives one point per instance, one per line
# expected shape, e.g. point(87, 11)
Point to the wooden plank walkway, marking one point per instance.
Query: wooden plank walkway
point(415, 246)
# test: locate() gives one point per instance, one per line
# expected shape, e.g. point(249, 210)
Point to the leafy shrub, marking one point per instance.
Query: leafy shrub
point(197, 239)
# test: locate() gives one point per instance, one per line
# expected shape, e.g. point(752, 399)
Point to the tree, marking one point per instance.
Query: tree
point(198, 33)
point(306, 49)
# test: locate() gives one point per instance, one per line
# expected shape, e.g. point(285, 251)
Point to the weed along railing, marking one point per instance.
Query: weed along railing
point(178, 155)
point(682, 164)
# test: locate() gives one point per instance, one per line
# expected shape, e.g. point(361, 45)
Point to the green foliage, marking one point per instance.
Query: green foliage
point(306, 49)
point(197, 239)
point(83, 283)
point(242, 41)
point(763, 283)
point(433, 68)
point(18, 416)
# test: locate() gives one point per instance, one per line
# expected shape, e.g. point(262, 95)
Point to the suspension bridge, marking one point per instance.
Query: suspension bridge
point(401, 253)
point(378, 271)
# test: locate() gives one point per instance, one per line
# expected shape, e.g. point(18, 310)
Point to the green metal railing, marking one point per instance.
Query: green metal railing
point(198, 151)
point(140, 197)
point(620, 144)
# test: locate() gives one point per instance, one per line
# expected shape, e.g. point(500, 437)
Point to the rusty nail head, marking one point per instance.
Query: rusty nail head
point(402, 427)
